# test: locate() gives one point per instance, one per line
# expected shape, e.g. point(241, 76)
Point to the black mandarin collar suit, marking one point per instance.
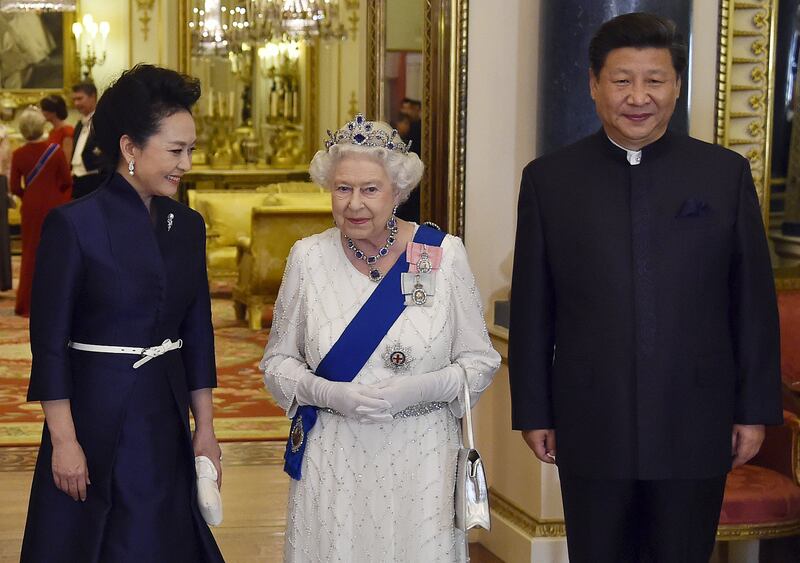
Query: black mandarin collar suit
point(643, 314)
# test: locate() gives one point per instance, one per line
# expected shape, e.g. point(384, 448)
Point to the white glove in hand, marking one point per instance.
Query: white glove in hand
point(361, 402)
point(408, 390)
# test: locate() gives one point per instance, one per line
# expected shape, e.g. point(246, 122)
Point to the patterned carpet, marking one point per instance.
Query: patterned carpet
point(243, 408)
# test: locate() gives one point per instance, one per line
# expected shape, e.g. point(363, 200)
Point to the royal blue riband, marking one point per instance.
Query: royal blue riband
point(357, 343)
point(49, 151)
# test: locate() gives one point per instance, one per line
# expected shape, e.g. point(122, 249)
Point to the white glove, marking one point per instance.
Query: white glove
point(404, 391)
point(361, 402)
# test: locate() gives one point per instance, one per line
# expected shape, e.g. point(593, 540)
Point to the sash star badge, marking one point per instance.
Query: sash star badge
point(170, 218)
point(397, 357)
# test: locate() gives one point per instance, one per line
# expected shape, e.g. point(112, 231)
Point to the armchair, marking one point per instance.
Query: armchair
point(261, 258)
point(762, 497)
point(227, 214)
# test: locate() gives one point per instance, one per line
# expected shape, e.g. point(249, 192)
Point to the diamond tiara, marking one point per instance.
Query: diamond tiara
point(363, 133)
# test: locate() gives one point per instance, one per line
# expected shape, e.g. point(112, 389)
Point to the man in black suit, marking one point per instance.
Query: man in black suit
point(86, 176)
point(644, 330)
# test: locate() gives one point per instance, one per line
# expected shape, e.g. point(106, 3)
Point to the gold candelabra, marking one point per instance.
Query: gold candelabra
point(91, 41)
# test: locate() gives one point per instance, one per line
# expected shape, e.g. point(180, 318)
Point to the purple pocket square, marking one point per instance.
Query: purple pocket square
point(694, 208)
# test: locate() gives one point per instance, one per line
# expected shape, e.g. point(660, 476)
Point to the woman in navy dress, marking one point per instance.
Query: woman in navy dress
point(125, 268)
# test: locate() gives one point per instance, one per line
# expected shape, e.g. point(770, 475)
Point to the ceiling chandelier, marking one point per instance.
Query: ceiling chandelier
point(46, 6)
point(223, 26)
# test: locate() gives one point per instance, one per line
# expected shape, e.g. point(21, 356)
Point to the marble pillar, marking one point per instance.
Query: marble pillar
point(565, 107)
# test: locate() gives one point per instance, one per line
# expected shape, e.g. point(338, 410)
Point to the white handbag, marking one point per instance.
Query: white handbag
point(208, 497)
point(472, 492)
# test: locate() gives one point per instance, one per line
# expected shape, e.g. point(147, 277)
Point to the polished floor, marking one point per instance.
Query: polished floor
point(254, 493)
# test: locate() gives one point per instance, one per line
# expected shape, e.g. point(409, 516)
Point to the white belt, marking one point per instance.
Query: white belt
point(146, 353)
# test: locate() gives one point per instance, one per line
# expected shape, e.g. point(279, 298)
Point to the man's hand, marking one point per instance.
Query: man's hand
point(542, 442)
point(746, 440)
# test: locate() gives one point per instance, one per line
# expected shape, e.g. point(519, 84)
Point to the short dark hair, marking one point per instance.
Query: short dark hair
point(639, 30)
point(54, 104)
point(87, 88)
point(137, 102)
point(413, 102)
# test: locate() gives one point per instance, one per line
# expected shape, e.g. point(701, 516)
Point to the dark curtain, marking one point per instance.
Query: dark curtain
point(565, 106)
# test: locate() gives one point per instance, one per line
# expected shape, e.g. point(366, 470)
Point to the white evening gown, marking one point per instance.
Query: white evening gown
point(375, 492)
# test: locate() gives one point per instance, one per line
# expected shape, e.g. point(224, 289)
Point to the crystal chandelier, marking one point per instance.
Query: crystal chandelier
point(223, 26)
point(304, 19)
point(39, 5)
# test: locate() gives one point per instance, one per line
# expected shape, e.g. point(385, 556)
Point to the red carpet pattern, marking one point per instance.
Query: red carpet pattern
point(243, 408)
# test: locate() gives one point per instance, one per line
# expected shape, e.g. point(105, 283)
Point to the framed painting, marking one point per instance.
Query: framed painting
point(37, 55)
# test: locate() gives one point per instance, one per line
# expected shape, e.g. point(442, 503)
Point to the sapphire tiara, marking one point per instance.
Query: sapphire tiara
point(363, 133)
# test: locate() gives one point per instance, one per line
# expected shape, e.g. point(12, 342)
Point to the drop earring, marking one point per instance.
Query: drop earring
point(131, 166)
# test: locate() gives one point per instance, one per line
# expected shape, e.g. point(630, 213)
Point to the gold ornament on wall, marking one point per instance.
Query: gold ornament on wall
point(352, 109)
point(353, 7)
point(144, 7)
point(744, 97)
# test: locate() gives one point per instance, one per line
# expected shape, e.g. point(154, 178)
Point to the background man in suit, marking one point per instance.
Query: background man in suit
point(86, 176)
point(644, 331)
point(411, 110)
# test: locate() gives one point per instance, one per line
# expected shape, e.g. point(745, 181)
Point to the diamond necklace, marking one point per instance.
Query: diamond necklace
point(374, 273)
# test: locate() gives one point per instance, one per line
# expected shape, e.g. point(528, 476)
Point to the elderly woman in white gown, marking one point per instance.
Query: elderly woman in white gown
point(377, 326)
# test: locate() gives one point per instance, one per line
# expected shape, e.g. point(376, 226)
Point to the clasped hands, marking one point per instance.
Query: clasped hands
point(376, 403)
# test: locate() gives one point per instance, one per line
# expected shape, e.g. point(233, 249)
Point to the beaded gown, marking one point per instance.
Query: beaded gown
point(376, 492)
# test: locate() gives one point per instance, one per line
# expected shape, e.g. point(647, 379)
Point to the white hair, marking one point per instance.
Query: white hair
point(31, 123)
point(404, 170)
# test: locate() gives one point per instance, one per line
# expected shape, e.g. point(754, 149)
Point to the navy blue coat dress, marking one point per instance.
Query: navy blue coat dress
point(108, 272)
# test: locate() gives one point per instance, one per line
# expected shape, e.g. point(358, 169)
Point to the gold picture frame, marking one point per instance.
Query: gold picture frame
point(747, 35)
point(15, 97)
point(444, 88)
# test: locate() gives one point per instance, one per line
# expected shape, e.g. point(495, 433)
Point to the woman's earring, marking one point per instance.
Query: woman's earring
point(131, 166)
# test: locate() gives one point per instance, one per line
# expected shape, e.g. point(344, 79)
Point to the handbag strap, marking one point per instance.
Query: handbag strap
point(468, 415)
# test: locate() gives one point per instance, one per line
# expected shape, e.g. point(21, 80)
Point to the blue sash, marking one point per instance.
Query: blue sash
point(49, 151)
point(355, 346)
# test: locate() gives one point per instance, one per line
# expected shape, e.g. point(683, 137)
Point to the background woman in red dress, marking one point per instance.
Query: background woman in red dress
point(54, 109)
point(48, 184)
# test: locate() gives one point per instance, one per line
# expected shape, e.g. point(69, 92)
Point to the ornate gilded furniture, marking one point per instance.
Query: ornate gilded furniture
point(762, 497)
point(261, 258)
point(227, 214)
point(204, 178)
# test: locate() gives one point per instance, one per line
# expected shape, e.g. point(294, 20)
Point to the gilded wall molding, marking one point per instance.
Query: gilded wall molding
point(504, 508)
point(459, 140)
point(429, 70)
point(444, 103)
point(353, 7)
point(745, 86)
point(376, 47)
point(144, 7)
